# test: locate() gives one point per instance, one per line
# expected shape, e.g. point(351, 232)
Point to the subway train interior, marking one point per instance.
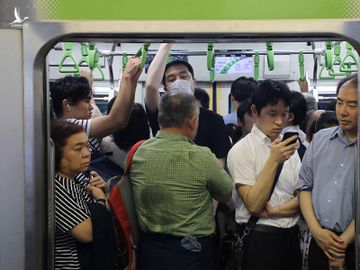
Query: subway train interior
point(292, 61)
point(39, 53)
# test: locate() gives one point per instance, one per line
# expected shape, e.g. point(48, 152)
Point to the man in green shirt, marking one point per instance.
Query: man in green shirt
point(174, 182)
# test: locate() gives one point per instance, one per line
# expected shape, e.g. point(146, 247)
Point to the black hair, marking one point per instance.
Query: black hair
point(61, 130)
point(175, 63)
point(353, 79)
point(326, 119)
point(310, 125)
point(203, 97)
point(71, 88)
point(331, 106)
point(269, 92)
point(298, 107)
point(234, 132)
point(136, 130)
point(244, 107)
point(243, 88)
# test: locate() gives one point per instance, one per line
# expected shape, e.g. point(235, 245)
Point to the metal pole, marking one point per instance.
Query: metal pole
point(218, 52)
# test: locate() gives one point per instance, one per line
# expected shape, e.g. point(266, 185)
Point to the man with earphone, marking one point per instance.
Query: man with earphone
point(71, 100)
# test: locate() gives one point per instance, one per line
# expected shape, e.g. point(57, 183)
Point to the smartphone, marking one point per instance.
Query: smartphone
point(288, 135)
point(87, 177)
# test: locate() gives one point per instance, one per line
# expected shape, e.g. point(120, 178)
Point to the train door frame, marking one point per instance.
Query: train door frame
point(40, 37)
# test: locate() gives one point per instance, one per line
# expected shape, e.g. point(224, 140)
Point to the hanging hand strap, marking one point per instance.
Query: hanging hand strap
point(211, 61)
point(256, 66)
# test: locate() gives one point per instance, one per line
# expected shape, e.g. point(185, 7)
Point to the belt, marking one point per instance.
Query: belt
point(272, 229)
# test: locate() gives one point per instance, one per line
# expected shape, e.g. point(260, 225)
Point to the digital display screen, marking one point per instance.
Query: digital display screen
point(239, 64)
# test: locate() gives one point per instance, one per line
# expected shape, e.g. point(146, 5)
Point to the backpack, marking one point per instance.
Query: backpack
point(122, 207)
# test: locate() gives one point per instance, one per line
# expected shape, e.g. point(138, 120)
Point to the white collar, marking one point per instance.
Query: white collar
point(261, 135)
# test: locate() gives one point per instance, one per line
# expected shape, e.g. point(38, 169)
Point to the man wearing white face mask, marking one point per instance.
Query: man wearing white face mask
point(179, 75)
point(185, 86)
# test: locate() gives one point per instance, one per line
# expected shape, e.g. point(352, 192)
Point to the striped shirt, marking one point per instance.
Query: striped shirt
point(86, 124)
point(70, 210)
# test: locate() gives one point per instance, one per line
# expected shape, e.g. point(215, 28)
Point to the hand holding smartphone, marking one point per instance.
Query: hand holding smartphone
point(87, 177)
point(288, 135)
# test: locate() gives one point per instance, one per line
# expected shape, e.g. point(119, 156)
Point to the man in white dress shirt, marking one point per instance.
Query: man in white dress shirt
point(253, 161)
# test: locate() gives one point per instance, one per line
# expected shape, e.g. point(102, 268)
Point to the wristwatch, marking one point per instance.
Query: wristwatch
point(101, 200)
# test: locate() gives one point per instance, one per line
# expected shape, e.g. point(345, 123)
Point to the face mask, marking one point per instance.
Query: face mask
point(182, 85)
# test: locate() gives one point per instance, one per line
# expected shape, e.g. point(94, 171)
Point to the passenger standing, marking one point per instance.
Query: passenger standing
point(174, 182)
point(119, 143)
point(311, 103)
point(297, 115)
point(179, 75)
point(241, 89)
point(253, 162)
point(74, 221)
point(202, 97)
point(310, 125)
point(71, 100)
point(327, 182)
point(327, 119)
point(245, 120)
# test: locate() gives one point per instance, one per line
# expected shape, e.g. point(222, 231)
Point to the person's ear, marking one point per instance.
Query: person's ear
point(66, 104)
point(291, 117)
point(254, 111)
point(192, 122)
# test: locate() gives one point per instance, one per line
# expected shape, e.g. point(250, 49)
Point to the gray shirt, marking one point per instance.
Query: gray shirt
point(328, 170)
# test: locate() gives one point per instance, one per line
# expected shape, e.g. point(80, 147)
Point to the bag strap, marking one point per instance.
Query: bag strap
point(130, 156)
point(253, 219)
point(119, 209)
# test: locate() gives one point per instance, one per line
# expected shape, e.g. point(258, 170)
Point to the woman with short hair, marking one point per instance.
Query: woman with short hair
point(73, 221)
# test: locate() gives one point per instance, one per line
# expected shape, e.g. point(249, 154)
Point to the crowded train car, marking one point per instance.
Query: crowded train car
point(221, 142)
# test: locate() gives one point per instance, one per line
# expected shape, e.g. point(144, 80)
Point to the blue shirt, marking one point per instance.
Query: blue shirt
point(230, 118)
point(328, 170)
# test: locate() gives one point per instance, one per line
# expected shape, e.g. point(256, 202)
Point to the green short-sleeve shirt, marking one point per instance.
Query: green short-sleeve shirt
point(174, 182)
